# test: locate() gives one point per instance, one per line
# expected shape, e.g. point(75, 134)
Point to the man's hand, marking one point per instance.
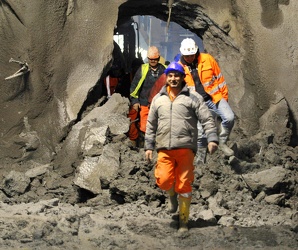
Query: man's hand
point(148, 155)
point(212, 147)
point(136, 106)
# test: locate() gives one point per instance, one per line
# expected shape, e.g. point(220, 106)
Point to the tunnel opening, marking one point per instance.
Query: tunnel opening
point(131, 40)
point(134, 16)
point(151, 31)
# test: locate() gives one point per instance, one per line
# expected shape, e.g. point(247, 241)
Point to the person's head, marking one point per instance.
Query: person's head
point(188, 49)
point(153, 56)
point(175, 75)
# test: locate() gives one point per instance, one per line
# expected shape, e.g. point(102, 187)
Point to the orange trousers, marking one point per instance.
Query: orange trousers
point(175, 167)
point(134, 128)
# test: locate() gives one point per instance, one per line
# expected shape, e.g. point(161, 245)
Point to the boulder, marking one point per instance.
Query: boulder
point(269, 180)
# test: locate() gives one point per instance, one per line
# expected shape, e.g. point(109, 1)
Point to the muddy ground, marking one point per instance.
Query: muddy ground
point(248, 201)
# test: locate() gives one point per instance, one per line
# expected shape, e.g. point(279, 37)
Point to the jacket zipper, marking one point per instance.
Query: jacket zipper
point(171, 110)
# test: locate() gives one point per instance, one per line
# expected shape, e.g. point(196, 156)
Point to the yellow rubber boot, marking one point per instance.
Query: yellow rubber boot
point(184, 204)
point(173, 202)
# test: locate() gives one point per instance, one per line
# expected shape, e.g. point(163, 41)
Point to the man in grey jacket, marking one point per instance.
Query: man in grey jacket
point(172, 130)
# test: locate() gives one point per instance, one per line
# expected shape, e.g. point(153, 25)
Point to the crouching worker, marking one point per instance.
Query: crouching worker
point(172, 130)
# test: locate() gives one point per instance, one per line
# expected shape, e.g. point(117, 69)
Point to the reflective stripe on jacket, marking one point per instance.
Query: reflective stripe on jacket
point(211, 77)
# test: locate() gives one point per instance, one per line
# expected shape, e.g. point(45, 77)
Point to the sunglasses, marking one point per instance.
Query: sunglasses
point(153, 59)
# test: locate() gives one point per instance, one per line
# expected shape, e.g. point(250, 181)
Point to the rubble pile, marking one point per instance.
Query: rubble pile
point(103, 184)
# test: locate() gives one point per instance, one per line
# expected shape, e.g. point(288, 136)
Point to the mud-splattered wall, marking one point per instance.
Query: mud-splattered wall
point(67, 45)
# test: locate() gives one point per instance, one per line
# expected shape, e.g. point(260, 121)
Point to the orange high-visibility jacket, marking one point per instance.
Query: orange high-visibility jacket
point(211, 77)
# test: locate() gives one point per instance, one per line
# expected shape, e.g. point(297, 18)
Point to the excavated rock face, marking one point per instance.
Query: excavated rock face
point(65, 48)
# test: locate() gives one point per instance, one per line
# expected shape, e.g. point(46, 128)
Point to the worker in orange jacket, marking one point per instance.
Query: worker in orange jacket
point(203, 75)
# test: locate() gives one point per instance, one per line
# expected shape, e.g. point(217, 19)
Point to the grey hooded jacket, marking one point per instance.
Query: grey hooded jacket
point(173, 125)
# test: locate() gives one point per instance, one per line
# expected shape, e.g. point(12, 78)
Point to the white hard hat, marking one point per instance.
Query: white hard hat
point(188, 47)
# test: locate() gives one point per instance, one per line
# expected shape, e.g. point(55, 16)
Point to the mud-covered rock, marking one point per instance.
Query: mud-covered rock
point(15, 183)
point(269, 180)
point(276, 118)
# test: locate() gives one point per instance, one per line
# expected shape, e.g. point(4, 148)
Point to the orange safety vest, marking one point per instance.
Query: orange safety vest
point(211, 77)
